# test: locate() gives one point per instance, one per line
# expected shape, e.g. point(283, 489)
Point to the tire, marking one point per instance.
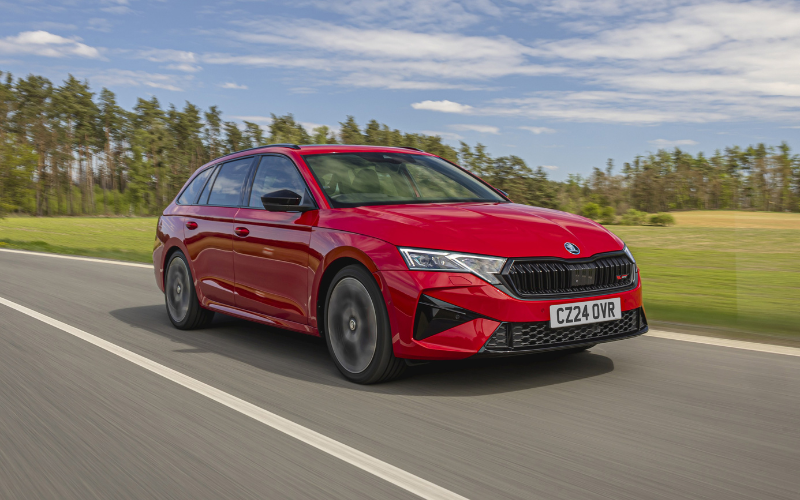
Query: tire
point(180, 296)
point(357, 328)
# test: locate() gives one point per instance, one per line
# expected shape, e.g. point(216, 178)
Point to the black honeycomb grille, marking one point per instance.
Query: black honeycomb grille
point(539, 278)
point(524, 336)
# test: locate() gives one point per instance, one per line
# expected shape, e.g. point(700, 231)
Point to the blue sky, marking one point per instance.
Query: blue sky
point(563, 84)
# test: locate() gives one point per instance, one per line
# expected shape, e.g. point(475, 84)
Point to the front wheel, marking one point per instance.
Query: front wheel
point(357, 328)
point(183, 307)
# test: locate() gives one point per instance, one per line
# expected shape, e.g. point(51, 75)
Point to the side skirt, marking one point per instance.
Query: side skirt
point(263, 319)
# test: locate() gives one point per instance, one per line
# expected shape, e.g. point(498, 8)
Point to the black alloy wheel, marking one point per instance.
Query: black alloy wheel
point(183, 307)
point(357, 328)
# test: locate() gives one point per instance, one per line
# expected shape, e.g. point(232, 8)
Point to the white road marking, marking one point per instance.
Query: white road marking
point(735, 344)
point(85, 259)
point(374, 466)
point(697, 339)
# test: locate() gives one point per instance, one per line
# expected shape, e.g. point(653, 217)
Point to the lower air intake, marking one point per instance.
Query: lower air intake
point(538, 335)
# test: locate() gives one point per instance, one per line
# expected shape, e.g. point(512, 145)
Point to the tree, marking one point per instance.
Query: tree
point(253, 134)
point(284, 130)
point(350, 133)
point(138, 160)
point(323, 135)
point(234, 139)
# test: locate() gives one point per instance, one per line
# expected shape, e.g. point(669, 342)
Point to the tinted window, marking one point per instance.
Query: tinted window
point(227, 188)
point(353, 179)
point(275, 173)
point(189, 195)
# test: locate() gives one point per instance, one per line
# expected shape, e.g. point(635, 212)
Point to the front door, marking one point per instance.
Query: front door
point(271, 249)
point(209, 231)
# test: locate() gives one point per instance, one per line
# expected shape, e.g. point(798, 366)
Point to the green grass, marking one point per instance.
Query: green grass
point(744, 279)
point(736, 271)
point(112, 238)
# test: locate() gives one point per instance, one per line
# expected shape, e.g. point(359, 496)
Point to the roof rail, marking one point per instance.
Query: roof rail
point(409, 147)
point(281, 145)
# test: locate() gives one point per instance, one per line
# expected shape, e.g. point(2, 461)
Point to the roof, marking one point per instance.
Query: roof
point(320, 149)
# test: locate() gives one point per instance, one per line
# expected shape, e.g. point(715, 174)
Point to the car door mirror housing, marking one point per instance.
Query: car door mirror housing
point(284, 200)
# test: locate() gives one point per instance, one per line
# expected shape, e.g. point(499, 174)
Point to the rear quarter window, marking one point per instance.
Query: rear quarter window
point(192, 191)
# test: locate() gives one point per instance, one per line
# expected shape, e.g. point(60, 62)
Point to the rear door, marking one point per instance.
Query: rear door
point(209, 230)
point(271, 249)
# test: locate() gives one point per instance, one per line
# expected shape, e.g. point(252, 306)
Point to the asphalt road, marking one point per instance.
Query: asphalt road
point(646, 418)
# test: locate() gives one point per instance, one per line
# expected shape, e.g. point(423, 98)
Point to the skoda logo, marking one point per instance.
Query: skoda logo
point(572, 248)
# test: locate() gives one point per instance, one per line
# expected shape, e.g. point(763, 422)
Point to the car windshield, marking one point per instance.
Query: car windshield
point(355, 179)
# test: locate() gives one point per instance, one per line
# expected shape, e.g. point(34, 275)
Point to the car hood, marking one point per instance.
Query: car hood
point(501, 229)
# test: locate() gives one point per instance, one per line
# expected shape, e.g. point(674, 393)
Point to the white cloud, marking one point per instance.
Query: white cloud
point(381, 57)
point(186, 68)
point(168, 55)
point(443, 14)
point(538, 130)
point(231, 85)
point(99, 24)
point(628, 62)
point(665, 143)
point(451, 136)
point(265, 120)
point(54, 26)
point(116, 6)
point(181, 60)
point(483, 129)
point(43, 43)
point(698, 62)
point(600, 7)
point(549, 167)
point(443, 106)
point(129, 78)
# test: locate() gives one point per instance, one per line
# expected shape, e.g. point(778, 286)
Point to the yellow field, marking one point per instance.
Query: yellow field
point(734, 219)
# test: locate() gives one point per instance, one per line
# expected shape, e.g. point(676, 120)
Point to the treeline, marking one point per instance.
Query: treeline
point(755, 178)
point(65, 150)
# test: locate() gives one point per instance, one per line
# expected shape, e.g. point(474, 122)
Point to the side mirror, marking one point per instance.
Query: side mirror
point(284, 200)
point(502, 192)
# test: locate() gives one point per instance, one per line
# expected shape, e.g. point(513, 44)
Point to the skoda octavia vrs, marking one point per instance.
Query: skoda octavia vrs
point(391, 255)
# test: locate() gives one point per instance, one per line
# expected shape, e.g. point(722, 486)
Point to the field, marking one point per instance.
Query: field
point(737, 271)
point(733, 270)
point(112, 238)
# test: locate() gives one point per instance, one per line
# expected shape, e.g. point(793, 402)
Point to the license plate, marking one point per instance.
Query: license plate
point(581, 313)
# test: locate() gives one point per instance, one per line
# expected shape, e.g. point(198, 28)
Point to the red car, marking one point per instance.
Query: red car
point(391, 255)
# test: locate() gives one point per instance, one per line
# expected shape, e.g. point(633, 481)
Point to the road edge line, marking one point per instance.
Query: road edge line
point(352, 456)
point(734, 344)
point(72, 257)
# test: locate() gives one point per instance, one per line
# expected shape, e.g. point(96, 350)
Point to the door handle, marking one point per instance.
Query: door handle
point(241, 231)
point(191, 225)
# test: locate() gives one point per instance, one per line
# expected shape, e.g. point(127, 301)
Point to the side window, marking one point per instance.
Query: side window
point(189, 195)
point(227, 188)
point(276, 173)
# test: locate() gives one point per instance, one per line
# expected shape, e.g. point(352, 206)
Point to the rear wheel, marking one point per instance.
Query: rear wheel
point(357, 328)
point(183, 307)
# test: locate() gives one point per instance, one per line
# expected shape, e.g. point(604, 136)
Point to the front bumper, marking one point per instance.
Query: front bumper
point(484, 309)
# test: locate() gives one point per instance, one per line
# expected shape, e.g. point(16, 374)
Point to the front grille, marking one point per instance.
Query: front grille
point(533, 278)
point(526, 336)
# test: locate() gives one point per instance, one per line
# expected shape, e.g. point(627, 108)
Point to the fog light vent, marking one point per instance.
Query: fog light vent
point(499, 339)
point(435, 316)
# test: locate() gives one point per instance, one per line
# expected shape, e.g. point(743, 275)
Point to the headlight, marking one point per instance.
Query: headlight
point(629, 254)
point(434, 260)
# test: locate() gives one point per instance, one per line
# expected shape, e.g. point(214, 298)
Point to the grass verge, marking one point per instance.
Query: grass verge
point(736, 271)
